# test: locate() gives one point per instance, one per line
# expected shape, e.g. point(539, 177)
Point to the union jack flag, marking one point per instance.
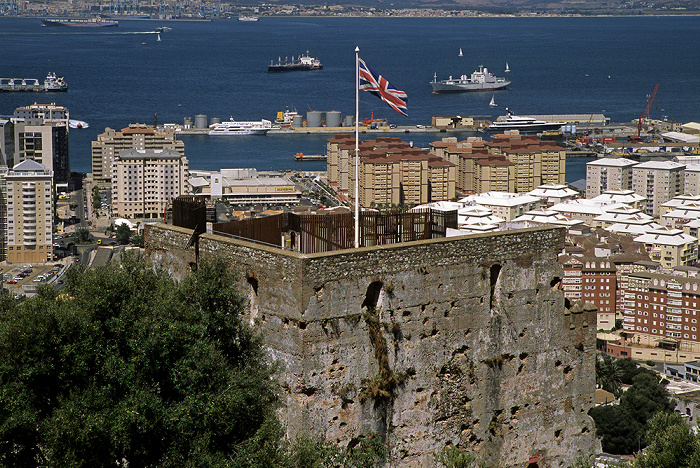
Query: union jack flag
point(380, 87)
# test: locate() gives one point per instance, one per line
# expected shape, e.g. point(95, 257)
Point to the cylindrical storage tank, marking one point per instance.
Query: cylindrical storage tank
point(333, 119)
point(349, 121)
point(200, 121)
point(298, 121)
point(214, 120)
point(314, 118)
point(188, 122)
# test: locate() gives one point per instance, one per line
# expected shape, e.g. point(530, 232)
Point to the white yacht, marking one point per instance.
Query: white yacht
point(233, 127)
point(523, 124)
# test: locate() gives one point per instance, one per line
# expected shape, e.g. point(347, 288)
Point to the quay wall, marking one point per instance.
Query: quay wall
point(463, 341)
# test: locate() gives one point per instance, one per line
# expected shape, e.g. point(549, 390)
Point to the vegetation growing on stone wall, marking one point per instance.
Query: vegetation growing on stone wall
point(382, 386)
point(455, 457)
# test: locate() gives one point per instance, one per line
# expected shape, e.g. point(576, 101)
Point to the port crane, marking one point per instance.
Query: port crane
point(642, 118)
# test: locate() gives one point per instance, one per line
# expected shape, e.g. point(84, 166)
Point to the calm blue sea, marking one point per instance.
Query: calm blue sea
point(559, 65)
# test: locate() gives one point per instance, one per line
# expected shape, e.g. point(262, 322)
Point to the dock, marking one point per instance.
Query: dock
point(309, 157)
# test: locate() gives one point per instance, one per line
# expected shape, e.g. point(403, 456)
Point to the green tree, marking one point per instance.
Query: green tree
point(129, 367)
point(83, 236)
point(608, 374)
point(621, 427)
point(123, 234)
point(672, 444)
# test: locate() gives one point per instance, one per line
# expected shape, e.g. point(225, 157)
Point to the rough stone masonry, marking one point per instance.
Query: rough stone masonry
point(463, 341)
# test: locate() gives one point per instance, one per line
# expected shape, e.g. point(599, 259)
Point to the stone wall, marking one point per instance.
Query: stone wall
point(462, 341)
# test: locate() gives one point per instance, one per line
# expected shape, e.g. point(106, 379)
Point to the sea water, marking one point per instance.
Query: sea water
point(123, 75)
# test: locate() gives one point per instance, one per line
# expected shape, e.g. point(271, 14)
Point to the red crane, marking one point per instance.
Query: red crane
point(646, 111)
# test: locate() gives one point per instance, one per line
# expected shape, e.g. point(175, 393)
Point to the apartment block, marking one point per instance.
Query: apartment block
point(145, 181)
point(608, 174)
point(510, 163)
point(392, 172)
point(41, 133)
point(661, 309)
point(670, 247)
point(136, 136)
point(593, 280)
point(505, 205)
point(29, 213)
point(658, 182)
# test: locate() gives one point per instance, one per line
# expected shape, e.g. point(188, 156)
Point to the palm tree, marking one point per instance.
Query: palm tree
point(608, 374)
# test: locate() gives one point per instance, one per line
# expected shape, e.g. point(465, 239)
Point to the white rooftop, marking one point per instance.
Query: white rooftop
point(632, 228)
point(500, 199)
point(547, 217)
point(619, 196)
point(666, 236)
point(612, 162)
point(682, 137)
point(660, 165)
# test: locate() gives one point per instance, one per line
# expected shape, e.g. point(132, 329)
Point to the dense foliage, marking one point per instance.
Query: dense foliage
point(672, 444)
point(129, 367)
point(622, 427)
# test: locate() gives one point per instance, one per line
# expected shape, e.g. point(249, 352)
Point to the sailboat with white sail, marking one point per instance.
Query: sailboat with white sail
point(493, 101)
point(460, 53)
point(507, 67)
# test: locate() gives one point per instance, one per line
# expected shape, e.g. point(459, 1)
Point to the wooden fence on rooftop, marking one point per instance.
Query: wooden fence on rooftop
point(312, 233)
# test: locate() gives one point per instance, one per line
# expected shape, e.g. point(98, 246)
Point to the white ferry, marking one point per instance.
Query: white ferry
point(233, 127)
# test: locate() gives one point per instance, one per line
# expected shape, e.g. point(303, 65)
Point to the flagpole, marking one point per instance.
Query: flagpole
point(357, 146)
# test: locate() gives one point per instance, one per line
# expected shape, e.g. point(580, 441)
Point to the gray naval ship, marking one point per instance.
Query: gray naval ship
point(480, 80)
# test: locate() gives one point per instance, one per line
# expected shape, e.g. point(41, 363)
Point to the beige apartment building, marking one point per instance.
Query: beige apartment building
point(670, 247)
point(658, 182)
point(509, 163)
point(29, 213)
point(608, 174)
point(392, 172)
point(145, 181)
point(136, 136)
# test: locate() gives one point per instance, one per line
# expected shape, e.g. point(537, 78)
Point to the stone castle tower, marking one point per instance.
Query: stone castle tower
point(464, 341)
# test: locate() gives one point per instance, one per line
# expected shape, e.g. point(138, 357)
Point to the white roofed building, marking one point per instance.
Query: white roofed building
point(670, 247)
point(608, 174)
point(628, 197)
point(553, 193)
point(245, 186)
point(543, 216)
point(505, 205)
point(658, 181)
point(582, 208)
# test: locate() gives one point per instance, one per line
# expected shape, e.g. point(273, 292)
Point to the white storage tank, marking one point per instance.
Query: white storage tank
point(314, 118)
point(349, 121)
point(333, 119)
point(297, 121)
point(200, 121)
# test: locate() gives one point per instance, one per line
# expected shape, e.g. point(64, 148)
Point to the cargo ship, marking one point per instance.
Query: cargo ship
point(52, 83)
point(96, 22)
point(303, 62)
point(480, 80)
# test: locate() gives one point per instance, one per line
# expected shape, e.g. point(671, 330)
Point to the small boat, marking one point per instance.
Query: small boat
point(248, 18)
point(77, 124)
point(163, 29)
point(507, 68)
point(493, 102)
point(460, 53)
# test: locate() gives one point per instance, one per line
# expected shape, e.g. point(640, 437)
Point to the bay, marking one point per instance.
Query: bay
point(559, 65)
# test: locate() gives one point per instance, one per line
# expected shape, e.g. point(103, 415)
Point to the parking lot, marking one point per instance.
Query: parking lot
point(23, 279)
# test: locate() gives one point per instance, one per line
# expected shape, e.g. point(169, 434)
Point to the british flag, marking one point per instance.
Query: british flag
point(380, 87)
